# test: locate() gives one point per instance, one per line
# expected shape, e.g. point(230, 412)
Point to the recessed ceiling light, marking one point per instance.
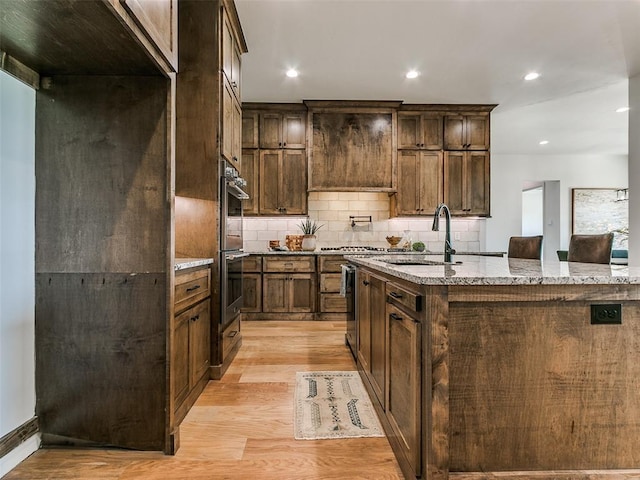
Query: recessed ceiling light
point(622, 109)
point(531, 76)
point(412, 74)
point(544, 142)
point(292, 73)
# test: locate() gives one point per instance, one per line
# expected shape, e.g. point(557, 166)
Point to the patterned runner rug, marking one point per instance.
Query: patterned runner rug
point(333, 405)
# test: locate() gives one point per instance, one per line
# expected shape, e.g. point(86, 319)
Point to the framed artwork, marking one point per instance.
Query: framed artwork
point(601, 210)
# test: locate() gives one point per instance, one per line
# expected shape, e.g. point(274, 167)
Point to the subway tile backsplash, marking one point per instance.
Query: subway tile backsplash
point(333, 210)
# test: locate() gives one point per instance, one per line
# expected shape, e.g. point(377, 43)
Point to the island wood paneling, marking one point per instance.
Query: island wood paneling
point(535, 386)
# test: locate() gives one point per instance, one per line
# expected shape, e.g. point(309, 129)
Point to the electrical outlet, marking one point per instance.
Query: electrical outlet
point(606, 314)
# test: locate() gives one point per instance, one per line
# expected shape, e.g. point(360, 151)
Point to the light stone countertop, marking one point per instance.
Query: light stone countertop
point(484, 270)
point(368, 253)
point(184, 263)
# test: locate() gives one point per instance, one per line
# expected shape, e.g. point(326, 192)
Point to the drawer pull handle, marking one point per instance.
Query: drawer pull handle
point(395, 317)
point(233, 334)
point(193, 319)
point(395, 295)
point(192, 289)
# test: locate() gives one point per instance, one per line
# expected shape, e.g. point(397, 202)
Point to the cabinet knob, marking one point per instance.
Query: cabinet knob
point(279, 144)
point(417, 144)
point(365, 283)
point(193, 319)
point(284, 144)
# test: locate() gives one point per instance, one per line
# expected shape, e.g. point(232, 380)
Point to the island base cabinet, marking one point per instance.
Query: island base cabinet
point(405, 386)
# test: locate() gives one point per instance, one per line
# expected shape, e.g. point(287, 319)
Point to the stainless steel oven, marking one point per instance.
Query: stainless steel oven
point(231, 254)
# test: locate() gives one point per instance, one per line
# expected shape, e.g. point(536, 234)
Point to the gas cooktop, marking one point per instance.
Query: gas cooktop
point(354, 248)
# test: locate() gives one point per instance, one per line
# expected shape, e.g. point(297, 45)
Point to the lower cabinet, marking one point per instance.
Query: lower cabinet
point(191, 344)
point(389, 343)
point(288, 292)
point(371, 325)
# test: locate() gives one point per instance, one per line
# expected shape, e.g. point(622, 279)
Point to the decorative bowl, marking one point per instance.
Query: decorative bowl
point(393, 240)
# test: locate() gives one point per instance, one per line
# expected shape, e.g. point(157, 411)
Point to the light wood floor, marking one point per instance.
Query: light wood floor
point(242, 426)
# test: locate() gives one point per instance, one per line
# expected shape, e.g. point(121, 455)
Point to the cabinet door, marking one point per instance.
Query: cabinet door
point(363, 320)
point(404, 392)
point(430, 182)
point(251, 292)
point(477, 132)
point(250, 169)
point(269, 181)
point(249, 129)
point(303, 292)
point(293, 182)
point(235, 70)
point(378, 301)
point(477, 183)
point(236, 136)
point(453, 182)
point(293, 130)
point(227, 120)
point(180, 358)
point(432, 136)
point(199, 341)
point(409, 130)
point(270, 130)
point(407, 198)
point(275, 292)
point(227, 48)
point(454, 132)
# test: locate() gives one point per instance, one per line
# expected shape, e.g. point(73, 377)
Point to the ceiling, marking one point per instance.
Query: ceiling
point(467, 51)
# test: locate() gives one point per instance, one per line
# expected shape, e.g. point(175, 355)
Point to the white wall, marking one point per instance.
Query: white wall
point(532, 211)
point(17, 263)
point(634, 171)
point(509, 172)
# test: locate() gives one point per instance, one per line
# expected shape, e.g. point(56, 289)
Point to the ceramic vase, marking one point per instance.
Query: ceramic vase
point(309, 243)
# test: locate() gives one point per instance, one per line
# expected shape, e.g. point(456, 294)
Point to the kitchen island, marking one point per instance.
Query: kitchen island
point(502, 366)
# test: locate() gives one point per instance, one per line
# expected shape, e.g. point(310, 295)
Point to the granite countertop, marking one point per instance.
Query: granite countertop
point(184, 263)
point(368, 253)
point(486, 270)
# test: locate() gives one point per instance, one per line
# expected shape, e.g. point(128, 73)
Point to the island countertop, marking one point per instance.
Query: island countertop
point(487, 270)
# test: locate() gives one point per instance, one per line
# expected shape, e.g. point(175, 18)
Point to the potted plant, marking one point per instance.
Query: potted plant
point(309, 228)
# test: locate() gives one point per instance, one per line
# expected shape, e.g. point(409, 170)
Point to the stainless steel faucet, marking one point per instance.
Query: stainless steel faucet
point(448, 248)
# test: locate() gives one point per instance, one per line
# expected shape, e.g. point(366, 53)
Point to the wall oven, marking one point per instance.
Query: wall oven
point(231, 254)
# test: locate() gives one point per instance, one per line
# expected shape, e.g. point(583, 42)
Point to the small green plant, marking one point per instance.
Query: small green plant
point(418, 246)
point(310, 227)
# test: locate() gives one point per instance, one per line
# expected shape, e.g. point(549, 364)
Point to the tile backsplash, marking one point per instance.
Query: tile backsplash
point(333, 210)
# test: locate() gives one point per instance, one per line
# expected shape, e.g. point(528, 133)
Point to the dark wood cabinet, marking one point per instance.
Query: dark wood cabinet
point(331, 303)
point(250, 169)
point(288, 292)
point(283, 130)
point(420, 183)
point(420, 130)
point(191, 345)
point(231, 61)
point(404, 409)
point(250, 129)
point(252, 284)
point(466, 131)
point(466, 181)
point(371, 325)
point(231, 129)
point(283, 182)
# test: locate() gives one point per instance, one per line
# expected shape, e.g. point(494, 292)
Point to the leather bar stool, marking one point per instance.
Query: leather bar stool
point(525, 247)
point(590, 248)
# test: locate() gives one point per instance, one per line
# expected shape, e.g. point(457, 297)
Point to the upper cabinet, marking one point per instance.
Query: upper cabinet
point(231, 47)
point(419, 183)
point(420, 130)
point(466, 131)
point(466, 182)
point(283, 130)
point(159, 21)
point(230, 56)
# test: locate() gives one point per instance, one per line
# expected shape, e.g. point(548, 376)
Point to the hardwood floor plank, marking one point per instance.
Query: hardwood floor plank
point(241, 427)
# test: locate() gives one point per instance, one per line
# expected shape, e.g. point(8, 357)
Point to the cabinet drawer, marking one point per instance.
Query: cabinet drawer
point(332, 303)
point(402, 296)
point(330, 282)
point(191, 287)
point(331, 264)
point(289, 263)
point(230, 336)
point(252, 264)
